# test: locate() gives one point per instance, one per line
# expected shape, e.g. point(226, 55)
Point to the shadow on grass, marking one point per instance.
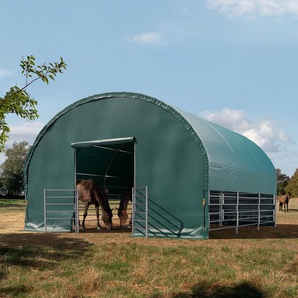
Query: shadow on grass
point(290, 210)
point(12, 206)
point(208, 290)
point(38, 251)
point(15, 291)
point(281, 231)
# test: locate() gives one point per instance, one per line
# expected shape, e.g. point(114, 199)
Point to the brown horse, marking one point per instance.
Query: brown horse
point(91, 193)
point(122, 210)
point(284, 200)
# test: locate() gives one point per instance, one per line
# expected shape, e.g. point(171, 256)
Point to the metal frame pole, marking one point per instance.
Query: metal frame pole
point(221, 209)
point(45, 209)
point(134, 188)
point(237, 213)
point(77, 224)
point(133, 210)
point(76, 192)
point(146, 192)
point(274, 210)
point(259, 211)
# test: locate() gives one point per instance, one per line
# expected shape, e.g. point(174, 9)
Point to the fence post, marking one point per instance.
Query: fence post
point(146, 199)
point(259, 211)
point(221, 209)
point(45, 209)
point(237, 213)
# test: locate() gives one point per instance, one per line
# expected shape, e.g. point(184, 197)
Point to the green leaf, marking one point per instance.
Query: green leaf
point(18, 101)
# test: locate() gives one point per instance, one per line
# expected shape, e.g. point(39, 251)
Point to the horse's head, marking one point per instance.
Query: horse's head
point(107, 218)
point(122, 214)
point(122, 211)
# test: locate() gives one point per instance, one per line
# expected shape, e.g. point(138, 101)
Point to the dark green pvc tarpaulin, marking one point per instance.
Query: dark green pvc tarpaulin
point(128, 139)
point(234, 162)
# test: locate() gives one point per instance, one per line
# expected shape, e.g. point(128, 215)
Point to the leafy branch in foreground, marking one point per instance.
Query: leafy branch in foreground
point(17, 101)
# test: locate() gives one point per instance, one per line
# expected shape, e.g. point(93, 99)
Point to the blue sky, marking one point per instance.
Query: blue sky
point(233, 62)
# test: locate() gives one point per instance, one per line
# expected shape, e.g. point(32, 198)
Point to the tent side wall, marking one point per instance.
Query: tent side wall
point(168, 159)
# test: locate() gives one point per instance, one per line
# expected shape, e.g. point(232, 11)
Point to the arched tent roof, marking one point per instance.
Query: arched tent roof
point(113, 95)
point(231, 161)
point(234, 162)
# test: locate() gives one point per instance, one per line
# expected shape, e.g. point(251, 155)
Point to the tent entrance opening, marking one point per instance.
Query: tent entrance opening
point(111, 163)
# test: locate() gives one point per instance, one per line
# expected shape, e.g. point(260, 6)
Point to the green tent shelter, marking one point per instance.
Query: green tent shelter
point(190, 176)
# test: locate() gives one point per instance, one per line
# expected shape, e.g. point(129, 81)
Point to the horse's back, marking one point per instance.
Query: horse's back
point(87, 190)
point(284, 198)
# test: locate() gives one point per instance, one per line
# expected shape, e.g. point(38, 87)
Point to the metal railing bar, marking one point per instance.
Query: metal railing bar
point(113, 149)
point(226, 227)
point(60, 218)
point(49, 201)
point(60, 197)
point(59, 189)
point(59, 204)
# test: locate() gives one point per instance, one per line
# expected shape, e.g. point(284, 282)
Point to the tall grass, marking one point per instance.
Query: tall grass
point(117, 265)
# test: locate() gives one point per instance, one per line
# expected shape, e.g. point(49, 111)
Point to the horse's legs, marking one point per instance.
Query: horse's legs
point(280, 206)
point(130, 224)
point(85, 214)
point(285, 206)
point(97, 217)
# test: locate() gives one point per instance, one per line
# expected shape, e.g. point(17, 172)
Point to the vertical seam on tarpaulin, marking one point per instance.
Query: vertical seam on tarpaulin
point(102, 96)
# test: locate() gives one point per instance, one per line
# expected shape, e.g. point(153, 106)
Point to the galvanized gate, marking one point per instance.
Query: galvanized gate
point(140, 211)
point(238, 209)
point(61, 209)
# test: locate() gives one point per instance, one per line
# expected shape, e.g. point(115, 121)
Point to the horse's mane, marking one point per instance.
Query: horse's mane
point(126, 197)
point(100, 196)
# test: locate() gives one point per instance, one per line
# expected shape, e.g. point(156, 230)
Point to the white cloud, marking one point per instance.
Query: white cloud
point(254, 8)
point(151, 38)
point(26, 131)
point(4, 73)
point(265, 133)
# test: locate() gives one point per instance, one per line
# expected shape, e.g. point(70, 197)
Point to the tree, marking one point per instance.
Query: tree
point(282, 182)
point(17, 101)
point(12, 176)
point(292, 186)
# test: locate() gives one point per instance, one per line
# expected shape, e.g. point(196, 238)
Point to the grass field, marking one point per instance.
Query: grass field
point(253, 263)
